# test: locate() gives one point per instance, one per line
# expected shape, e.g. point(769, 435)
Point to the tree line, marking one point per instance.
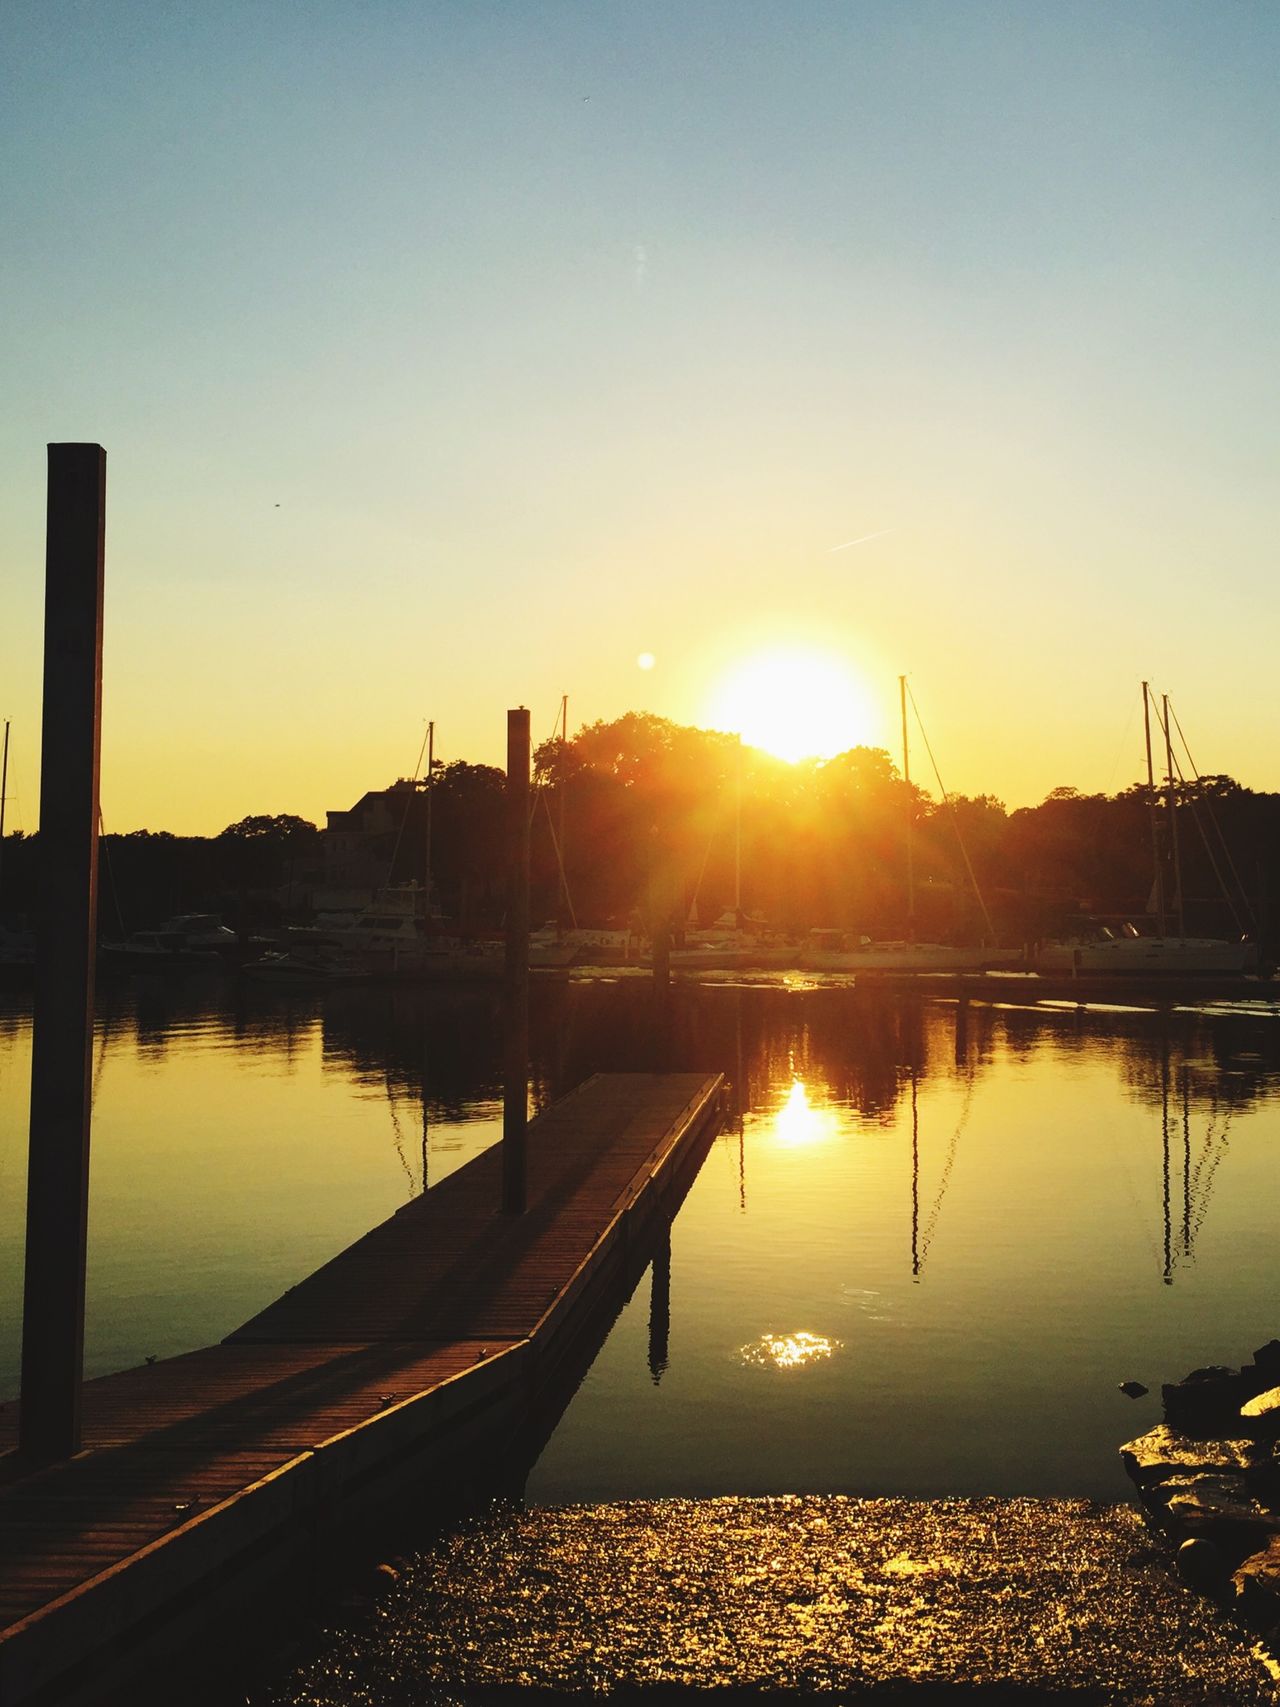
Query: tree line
point(641, 818)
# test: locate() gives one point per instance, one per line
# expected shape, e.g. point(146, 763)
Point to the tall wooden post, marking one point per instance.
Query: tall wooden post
point(515, 1099)
point(4, 787)
point(67, 919)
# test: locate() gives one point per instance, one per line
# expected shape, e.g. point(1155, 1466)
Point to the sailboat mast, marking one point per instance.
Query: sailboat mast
point(1151, 802)
point(1173, 820)
point(431, 765)
point(737, 835)
point(564, 783)
point(906, 777)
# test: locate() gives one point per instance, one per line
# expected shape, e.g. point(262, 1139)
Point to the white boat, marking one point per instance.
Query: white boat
point(834, 951)
point(1097, 947)
point(395, 937)
point(735, 940)
point(578, 945)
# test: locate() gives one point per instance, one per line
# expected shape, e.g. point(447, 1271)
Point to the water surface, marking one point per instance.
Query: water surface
point(928, 1247)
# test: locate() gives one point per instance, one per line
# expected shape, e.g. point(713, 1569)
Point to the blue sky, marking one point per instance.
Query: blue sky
point(448, 357)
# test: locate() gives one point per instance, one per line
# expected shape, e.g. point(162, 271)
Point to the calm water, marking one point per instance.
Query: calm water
point(929, 1247)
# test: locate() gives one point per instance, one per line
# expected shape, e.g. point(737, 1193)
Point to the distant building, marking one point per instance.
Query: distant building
point(379, 840)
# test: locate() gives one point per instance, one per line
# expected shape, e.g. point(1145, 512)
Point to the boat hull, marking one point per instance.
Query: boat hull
point(1164, 956)
point(908, 957)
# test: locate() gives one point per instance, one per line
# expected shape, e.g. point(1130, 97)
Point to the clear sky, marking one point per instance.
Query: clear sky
point(451, 356)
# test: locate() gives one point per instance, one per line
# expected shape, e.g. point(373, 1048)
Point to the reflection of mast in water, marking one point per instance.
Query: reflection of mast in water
point(1186, 1164)
point(399, 1135)
point(1164, 1140)
point(915, 1180)
point(101, 1043)
point(425, 1147)
point(922, 1239)
point(741, 1090)
point(1197, 1181)
point(660, 1307)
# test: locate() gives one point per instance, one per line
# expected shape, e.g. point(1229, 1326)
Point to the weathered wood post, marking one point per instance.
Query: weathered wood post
point(4, 787)
point(515, 1099)
point(660, 1306)
point(67, 921)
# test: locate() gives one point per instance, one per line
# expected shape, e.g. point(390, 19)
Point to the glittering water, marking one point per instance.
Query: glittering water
point(927, 1249)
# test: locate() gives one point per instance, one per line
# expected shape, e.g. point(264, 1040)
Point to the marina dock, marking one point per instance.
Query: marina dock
point(411, 1359)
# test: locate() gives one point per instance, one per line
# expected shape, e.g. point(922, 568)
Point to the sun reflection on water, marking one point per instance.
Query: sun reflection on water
point(799, 1122)
point(789, 1351)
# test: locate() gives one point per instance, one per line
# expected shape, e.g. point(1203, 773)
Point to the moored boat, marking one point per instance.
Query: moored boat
point(1094, 945)
point(834, 951)
point(186, 942)
point(1098, 947)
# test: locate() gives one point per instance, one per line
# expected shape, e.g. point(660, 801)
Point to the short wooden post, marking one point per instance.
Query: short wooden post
point(515, 1098)
point(660, 1306)
point(67, 922)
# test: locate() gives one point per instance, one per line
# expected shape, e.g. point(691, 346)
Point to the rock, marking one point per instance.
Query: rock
point(1214, 1487)
point(1163, 1452)
point(1264, 1474)
point(1263, 1411)
point(1216, 1508)
point(1257, 1585)
point(1201, 1566)
point(1133, 1389)
point(1205, 1402)
point(1263, 1372)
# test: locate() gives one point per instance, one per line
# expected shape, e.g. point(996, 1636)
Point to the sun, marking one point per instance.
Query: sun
point(797, 703)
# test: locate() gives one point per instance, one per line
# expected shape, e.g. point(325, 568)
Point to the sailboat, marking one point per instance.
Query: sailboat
point(735, 939)
point(556, 944)
point(838, 951)
point(1099, 947)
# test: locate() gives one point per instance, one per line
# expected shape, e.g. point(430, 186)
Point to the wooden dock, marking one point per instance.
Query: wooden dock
point(205, 1477)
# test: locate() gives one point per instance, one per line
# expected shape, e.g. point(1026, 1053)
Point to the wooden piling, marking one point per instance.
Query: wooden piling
point(67, 919)
point(515, 1097)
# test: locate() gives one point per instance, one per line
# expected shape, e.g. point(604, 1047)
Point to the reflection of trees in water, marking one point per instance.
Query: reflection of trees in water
point(859, 1048)
point(443, 1046)
point(1193, 1072)
point(845, 1047)
point(157, 1013)
point(1226, 1064)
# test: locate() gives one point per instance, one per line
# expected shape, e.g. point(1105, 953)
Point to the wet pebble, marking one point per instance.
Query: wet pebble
point(1202, 1566)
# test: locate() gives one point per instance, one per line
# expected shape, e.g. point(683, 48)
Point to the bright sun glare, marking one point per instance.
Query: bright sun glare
point(794, 703)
